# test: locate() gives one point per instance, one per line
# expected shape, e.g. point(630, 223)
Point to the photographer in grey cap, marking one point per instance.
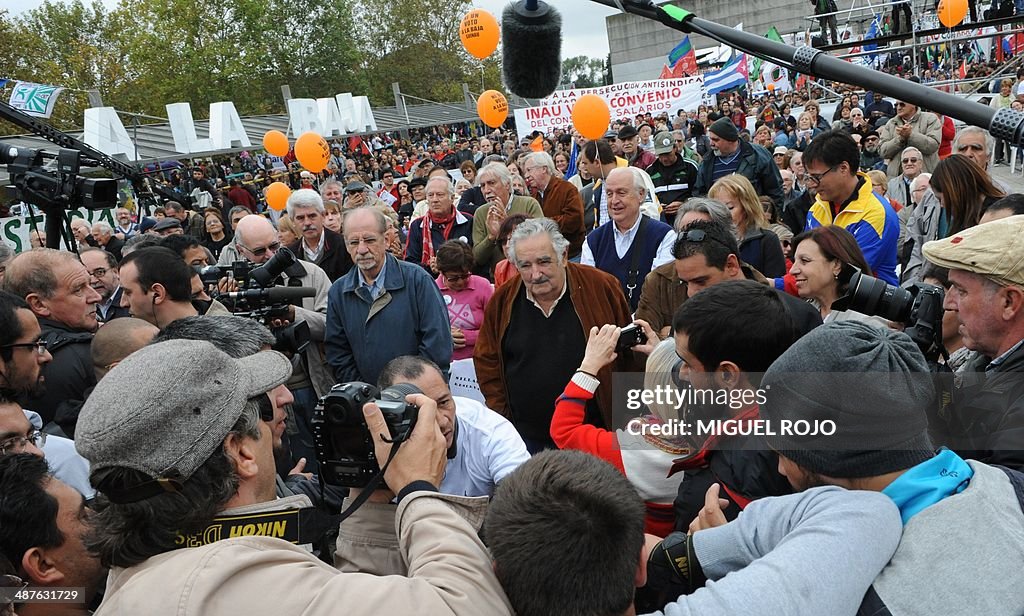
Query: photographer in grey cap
point(173, 456)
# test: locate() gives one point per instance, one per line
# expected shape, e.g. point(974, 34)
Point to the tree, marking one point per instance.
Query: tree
point(584, 72)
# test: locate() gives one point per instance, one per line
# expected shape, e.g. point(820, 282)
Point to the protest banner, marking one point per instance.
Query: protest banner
point(14, 231)
point(625, 100)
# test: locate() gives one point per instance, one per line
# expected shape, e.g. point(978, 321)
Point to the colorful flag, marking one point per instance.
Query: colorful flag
point(733, 74)
point(683, 59)
point(963, 69)
point(35, 99)
point(775, 77)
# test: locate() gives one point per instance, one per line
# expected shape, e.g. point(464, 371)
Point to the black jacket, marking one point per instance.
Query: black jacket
point(115, 311)
point(762, 249)
point(68, 376)
point(334, 260)
point(471, 200)
point(755, 164)
point(985, 420)
point(114, 247)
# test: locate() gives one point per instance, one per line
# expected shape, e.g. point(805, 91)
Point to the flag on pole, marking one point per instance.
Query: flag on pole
point(871, 34)
point(35, 99)
point(683, 59)
point(733, 74)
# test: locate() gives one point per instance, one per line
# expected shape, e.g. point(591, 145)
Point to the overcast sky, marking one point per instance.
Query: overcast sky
point(583, 31)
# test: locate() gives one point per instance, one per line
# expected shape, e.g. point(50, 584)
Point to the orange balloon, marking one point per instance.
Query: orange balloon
point(492, 108)
point(590, 116)
point(952, 12)
point(312, 151)
point(275, 142)
point(479, 33)
point(277, 195)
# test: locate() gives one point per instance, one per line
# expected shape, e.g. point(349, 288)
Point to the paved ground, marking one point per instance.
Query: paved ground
point(1015, 181)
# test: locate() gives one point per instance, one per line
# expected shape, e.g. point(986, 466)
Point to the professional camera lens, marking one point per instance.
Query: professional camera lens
point(266, 274)
point(875, 297)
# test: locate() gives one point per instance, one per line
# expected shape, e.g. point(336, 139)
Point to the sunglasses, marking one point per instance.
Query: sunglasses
point(259, 252)
point(910, 160)
point(698, 235)
point(455, 277)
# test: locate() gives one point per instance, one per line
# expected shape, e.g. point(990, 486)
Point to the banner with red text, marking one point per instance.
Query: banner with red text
point(625, 100)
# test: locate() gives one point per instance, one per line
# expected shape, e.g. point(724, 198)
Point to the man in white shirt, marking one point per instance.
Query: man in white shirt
point(483, 446)
point(629, 245)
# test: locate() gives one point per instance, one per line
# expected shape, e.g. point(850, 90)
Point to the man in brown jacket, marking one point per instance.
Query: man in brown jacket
point(535, 332)
point(559, 199)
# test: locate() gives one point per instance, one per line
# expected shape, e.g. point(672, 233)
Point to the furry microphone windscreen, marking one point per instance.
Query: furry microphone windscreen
point(531, 44)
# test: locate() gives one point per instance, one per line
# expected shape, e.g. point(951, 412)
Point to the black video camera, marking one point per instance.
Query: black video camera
point(259, 299)
point(918, 307)
point(344, 446)
point(61, 188)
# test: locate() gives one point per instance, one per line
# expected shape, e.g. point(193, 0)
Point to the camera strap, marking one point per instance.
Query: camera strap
point(372, 485)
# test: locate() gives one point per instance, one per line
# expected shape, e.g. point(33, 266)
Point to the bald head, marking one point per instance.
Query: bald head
point(253, 226)
point(119, 339)
point(35, 272)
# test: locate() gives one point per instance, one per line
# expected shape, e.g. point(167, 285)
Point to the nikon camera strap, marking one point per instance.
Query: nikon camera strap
point(298, 526)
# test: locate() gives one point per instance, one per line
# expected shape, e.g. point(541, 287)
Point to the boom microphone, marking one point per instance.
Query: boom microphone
point(274, 295)
point(531, 43)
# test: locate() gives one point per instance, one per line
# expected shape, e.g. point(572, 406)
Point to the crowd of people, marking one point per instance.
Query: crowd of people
point(159, 435)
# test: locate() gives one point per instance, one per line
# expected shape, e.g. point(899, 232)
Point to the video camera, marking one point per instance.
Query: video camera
point(918, 307)
point(259, 299)
point(344, 446)
point(61, 188)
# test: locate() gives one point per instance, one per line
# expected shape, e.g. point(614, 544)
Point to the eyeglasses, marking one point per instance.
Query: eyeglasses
point(816, 177)
point(16, 444)
point(39, 345)
point(910, 160)
point(455, 277)
point(99, 272)
point(977, 147)
point(872, 139)
point(259, 252)
point(900, 104)
point(699, 235)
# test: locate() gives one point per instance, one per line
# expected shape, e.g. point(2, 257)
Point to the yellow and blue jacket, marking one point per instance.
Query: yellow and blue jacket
point(872, 221)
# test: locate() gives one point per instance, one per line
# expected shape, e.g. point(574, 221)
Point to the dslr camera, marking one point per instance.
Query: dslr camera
point(918, 307)
point(343, 443)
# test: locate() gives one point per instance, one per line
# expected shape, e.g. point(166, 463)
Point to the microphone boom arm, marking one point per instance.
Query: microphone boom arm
point(1005, 123)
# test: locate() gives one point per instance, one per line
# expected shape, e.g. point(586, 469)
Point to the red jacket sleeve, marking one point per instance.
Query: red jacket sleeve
point(569, 432)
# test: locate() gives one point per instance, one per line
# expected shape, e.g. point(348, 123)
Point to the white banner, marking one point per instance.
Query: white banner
point(625, 100)
point(14, 231)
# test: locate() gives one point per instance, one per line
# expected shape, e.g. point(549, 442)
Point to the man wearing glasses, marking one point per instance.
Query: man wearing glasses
point(845, 198)
point(257, 242)
point(910, 128)
point(105, 280)
point(976, 144)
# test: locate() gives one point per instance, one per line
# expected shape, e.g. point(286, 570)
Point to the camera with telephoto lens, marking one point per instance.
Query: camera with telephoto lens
point(918, 307)
point(344, 446)
point(261, 299)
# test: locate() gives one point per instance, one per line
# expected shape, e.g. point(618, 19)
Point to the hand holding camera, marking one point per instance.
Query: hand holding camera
point(422, 457)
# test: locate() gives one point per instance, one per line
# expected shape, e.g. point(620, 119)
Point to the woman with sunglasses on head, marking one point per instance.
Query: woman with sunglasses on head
point(465, 294)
